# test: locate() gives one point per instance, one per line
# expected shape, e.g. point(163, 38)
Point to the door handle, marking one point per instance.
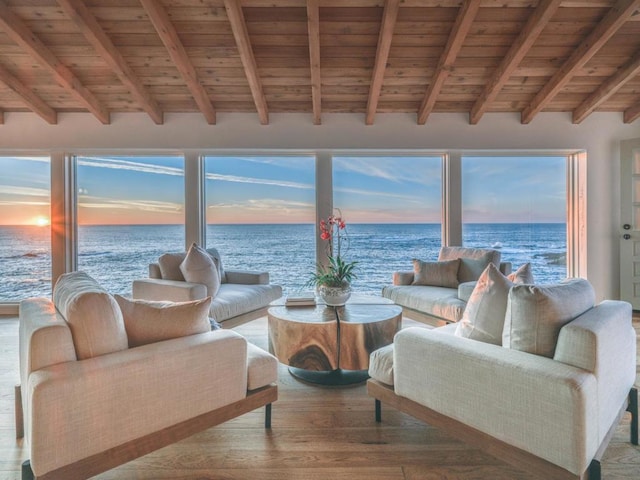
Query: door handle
point(626, 236)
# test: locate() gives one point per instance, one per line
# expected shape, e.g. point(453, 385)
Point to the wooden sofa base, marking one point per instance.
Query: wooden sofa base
point(424, 317)
point(131, 450)
point(514, 456)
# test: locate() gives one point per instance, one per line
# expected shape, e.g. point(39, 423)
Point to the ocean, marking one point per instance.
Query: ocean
point(117, 254)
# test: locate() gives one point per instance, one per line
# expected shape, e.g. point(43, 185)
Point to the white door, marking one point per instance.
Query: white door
point(630, 222)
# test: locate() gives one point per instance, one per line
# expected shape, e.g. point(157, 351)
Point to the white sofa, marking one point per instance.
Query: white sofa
point(243, 295)
point(434, 301)
point(87, 402)
point(552, 416)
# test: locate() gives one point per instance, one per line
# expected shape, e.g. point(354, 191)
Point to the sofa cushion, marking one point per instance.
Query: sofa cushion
point(465, 290)
point(262, 367)
point(536, 313)
point(440, 302)
point(473, 261)
point(93, 315)
point(235, 299)
point(199, 267)
point(524, 274)
point(150, 321)
point(381, 364)
point(437, 274)
point(483, 318)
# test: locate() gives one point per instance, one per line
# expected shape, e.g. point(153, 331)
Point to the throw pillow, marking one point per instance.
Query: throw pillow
point(483, 317)
point(473, 261)
point(437, 274)
point(169, 264)
point(522, 274)
point(93, 315)
point(536, 313)
point(149, 322)
point(199, 267)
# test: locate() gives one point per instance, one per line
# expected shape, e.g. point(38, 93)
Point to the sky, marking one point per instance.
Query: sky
point(150, 190)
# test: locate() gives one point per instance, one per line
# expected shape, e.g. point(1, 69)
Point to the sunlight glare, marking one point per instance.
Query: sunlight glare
point(41, 221)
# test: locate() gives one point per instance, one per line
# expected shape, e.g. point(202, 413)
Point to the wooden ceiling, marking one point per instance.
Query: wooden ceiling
point(320, 56)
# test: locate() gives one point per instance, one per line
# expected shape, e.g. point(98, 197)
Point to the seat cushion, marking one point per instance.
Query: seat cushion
point(235, 299)
point(473, 261)
point(262, 367)
point(436, 301)
point(381, 364)
point(93, 315)
point(151, 321)
point(536, 313)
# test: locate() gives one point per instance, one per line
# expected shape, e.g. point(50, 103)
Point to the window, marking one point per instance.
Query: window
point(518, 205)
point(25, 234)
point(393, 210)
point(261, 214)
point(130, 211)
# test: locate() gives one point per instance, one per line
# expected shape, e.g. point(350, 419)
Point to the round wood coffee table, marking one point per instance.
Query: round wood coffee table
point(331, 345)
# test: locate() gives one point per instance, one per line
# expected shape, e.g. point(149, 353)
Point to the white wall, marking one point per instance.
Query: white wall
point(599, 135)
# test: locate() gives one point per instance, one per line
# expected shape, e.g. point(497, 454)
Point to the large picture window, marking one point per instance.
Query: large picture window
point(519, 206)
point(393, 208)
point(25, 234)
point(130, 211)
point(261, 213)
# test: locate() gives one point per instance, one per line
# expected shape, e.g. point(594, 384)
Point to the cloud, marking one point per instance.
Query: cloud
point(23, 191)
point(265, 204)
point(137, 205)
point(393, 169)
point(117, 164)
point(259, 181)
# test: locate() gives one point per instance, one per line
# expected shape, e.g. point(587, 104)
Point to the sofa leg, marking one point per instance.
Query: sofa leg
point(633, 409)
point(27, 473)
point(18, 412)
point(267, 416)
point(378, 411)
point(594, 470)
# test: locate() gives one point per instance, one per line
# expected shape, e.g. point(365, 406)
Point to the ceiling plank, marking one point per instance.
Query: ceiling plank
point(18, 31)
point(389, 16)
point(93, 32)
point(527, 37)
point(632, 113)
point(612, 21)
point(460, 29)
point(607, 89)
point(169, 36)
point(313, 25)
point(33, 101)
point(241, 35)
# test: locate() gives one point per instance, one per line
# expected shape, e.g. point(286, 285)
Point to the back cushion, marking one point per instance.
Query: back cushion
point(473, 261)
point(93, 315)
point(536, 313)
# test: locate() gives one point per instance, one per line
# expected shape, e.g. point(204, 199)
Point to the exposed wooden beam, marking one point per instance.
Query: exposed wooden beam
point(241, 35)
point(632, 113)
point(78, 12)
point(169, 36)
point(607, 89)
point(527, 37)
point(34, 102)
point(18, 31)
point(461, 27)
point(389, 16)
point(313, 25)
point(612, 21)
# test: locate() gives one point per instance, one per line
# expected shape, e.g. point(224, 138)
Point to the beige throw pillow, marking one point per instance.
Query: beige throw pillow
point(92, 313)
point(536, 313)
point(150, 322)
point(483, 317)
point(199, 267)
point(169, 264)
point(523, 274)
point(473, 261)
point(437, 274)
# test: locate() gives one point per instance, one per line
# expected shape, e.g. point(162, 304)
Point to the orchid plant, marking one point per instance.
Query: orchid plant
point(337, 272)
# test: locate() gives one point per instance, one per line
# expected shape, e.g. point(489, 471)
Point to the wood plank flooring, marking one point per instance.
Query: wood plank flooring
point(319, 433)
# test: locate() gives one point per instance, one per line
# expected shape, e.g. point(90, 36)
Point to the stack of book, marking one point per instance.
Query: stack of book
point(303, 299)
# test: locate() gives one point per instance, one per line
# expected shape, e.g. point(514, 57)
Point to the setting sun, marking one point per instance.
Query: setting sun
point(41, 221)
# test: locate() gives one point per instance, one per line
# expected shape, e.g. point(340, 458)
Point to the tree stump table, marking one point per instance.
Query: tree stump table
point(331, 345)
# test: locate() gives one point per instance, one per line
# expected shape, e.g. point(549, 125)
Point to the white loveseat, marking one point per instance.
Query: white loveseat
point(548, 415)
point(243, 295)
point(436, 297)
point(87, 402)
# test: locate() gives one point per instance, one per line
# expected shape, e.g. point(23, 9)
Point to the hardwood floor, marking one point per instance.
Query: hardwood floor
point(319, 433)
